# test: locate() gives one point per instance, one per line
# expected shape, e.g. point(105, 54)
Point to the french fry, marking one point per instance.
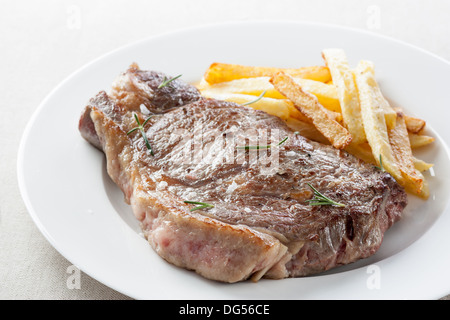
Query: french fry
point(369, 91)
point(414, 125)
point(387, 137)
point(375, 128)
point(222, 72)
point(310, 107)
point(419, 140)
point(343, 80)
point(413, 180)
point(361, 151)
point(276, 107)
point(295, 113)
point(251, 86)
point(255, 86)
point(422, 165)
point(307, 130)
point(282, 108)
point(364, 152)
point(325, 93)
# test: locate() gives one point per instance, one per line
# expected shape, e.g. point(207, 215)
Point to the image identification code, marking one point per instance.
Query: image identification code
point(236, 309)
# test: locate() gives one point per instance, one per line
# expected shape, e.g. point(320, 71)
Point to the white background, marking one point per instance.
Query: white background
point(43, 42)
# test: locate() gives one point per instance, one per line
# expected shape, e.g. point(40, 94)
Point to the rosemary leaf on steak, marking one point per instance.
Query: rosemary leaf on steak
point(201, 205)
point(321, 200)
point(140, 127)
point(381, 168)
point(166, 82)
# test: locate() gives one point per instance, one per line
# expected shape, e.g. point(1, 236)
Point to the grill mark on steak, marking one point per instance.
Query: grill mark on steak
point(260, 224)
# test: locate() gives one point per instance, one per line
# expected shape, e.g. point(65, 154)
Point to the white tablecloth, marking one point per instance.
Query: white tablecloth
point(42, 42)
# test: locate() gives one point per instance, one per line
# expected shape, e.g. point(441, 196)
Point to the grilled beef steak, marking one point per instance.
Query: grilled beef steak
point(257, 222)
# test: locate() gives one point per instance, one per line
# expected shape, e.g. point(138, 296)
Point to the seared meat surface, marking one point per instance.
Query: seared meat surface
point(260, 224)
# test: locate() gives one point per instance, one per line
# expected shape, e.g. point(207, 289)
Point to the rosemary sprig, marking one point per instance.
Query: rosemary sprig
point(261, 147)
point(321, 200)
point(140, 127)
point(282, 141)
point(166, 82)
point(201, 205)
point(381, 168)
point(256, 100)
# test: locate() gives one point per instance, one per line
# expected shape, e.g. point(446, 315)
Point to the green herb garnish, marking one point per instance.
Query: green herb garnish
point(256, 100)
point(321, 200)
point(381, 168)
point(140, 127)
point(261, 147)
point(166, 82)
point(201, 205)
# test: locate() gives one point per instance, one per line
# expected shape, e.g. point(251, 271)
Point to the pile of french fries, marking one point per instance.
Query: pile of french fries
point(333, 104)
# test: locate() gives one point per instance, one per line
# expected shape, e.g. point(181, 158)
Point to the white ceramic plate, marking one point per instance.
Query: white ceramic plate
point(82, 213)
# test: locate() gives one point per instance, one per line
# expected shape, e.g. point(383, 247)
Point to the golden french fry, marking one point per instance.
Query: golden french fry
point(343, 80)
point(419, 140)
point(425, 193)
point(413, 180)
point(369, 91)
point(376, 130)
point(222, 72)
point(296, 114)
point(311, 108)
point(251, 86)
point(361, 151)
point(414, 125)
point(422, 165)
point(326, 94)
point(276, 107)
point(307, 130)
